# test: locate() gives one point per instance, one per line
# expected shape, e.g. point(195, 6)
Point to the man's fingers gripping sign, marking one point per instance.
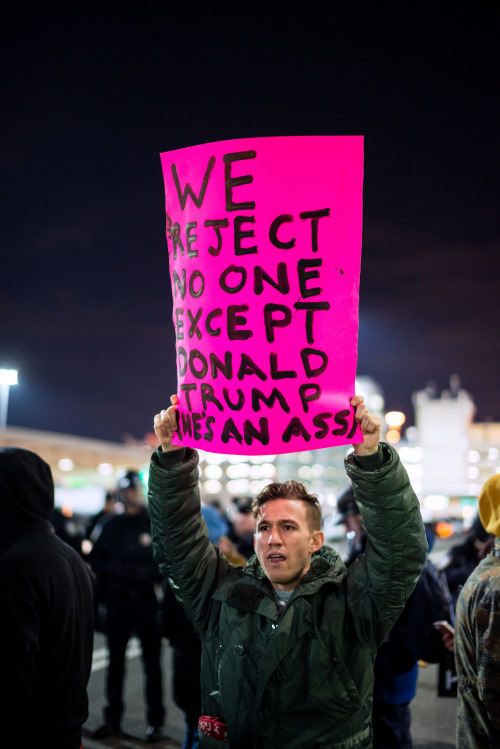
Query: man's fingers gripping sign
point(165, 425)
point(371, 427)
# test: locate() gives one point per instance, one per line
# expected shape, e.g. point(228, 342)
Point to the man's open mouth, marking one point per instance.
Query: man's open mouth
point(275, 558)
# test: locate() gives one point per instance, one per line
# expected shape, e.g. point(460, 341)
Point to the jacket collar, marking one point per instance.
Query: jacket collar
point(326, 566)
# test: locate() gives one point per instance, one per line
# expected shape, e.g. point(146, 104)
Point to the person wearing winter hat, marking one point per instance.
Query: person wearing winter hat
point(46, 614)
point(489, 505)
point(477, 638)
point(350, 516)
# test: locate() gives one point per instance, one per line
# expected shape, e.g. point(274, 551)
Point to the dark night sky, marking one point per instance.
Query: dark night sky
point(91, 99)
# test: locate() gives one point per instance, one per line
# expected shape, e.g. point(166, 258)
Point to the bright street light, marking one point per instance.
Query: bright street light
point(8, 377)
point(395, 419)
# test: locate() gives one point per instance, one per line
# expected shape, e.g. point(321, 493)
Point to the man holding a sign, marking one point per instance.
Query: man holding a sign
point(289, 641)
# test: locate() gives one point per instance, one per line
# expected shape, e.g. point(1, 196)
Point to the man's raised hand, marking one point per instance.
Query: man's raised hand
point(165, 424)
point(371, 427)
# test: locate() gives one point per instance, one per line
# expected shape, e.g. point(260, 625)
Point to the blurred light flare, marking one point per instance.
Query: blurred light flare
point(212, 486)
point(393, 436)
point(395, 419)
point(444, 530)
point(213, 472)
point(65, 464)
point(105, 469)
point(8, 377)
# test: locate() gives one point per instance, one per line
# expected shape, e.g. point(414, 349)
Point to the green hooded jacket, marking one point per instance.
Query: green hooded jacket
point(304, 680)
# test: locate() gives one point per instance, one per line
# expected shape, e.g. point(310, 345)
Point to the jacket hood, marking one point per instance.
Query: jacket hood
point(326, 566)
point(26, 493)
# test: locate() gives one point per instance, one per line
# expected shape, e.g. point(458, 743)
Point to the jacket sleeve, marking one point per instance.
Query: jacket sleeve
point(181, 545)
point(382, 580)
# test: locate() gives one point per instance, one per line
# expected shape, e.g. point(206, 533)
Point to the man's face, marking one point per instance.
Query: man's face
point(284, 541)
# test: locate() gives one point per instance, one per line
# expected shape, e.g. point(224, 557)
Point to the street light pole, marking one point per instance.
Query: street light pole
point(8, 377)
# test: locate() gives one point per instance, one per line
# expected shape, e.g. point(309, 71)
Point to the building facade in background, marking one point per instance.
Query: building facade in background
point(447, 455)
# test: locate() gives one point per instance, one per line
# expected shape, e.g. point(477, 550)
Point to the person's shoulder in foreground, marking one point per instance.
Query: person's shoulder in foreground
point(46, 612)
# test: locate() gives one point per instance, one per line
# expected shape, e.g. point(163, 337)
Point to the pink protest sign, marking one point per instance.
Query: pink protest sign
point(264, 241)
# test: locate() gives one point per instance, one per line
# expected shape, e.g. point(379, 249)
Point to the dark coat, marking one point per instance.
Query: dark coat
point(186, 654)
point(122, 559)
point(46, 627)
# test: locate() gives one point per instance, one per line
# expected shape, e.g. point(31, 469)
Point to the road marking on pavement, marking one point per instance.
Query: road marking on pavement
point(100, 657)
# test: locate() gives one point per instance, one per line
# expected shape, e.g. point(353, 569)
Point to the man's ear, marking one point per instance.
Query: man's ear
point(317, 540)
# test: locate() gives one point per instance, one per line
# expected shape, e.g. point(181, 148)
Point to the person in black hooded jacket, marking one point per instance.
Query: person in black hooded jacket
point(46, 614)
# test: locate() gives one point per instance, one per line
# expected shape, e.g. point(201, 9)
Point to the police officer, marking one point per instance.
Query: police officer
point(127, 579)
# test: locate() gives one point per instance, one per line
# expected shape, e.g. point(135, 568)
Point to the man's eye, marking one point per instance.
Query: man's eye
point(288, 527)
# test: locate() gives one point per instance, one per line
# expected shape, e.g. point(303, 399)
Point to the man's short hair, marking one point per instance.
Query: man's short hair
point(289, 490)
